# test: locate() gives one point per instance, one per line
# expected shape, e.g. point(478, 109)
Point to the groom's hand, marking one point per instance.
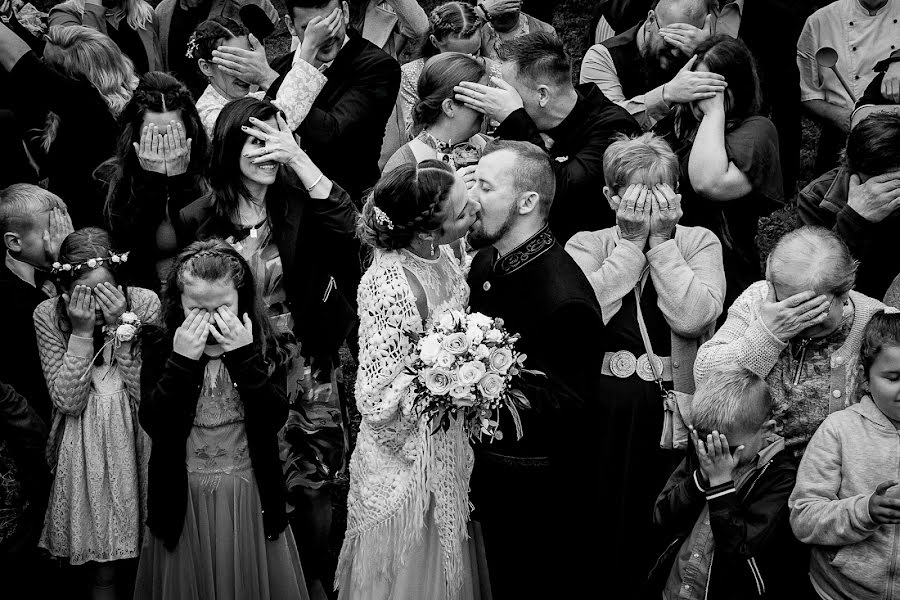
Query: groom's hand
point(496, 102)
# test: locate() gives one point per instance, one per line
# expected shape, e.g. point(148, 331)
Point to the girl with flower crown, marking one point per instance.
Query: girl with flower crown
point(91, 360)
point(408, 506)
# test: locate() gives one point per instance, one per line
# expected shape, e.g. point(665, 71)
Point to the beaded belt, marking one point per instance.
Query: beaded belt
point(623, 364)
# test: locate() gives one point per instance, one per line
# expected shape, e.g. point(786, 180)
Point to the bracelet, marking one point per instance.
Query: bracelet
point(315, 183)
point(665, 102)
point(487, 15)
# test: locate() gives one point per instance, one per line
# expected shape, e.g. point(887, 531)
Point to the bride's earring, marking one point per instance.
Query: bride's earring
point(432, 247)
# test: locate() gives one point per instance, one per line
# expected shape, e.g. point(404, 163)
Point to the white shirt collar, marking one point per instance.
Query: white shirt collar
point(324, 66)
point(22, 270)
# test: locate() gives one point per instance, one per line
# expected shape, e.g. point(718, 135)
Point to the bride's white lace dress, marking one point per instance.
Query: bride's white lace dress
point(408, 506)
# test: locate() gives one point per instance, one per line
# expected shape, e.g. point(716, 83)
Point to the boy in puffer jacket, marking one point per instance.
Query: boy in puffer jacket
point(847, 500)
point(726, 504)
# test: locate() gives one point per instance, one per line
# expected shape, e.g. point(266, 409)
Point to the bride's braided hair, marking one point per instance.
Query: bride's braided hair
point(404, 202)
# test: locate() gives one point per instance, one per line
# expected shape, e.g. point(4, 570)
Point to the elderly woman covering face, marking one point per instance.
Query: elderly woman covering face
point(801, 330)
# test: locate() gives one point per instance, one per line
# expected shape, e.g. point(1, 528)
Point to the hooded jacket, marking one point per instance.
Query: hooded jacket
point(852, 452)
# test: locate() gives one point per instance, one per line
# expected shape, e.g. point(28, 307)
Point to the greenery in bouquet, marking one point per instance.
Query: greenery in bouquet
point(465, 367)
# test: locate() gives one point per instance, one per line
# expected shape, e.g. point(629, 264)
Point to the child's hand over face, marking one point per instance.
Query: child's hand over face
point(716, 461)
point(111, 300)
point(884, 510)
point(229, 332)
point(80, 306)
point(190, 338)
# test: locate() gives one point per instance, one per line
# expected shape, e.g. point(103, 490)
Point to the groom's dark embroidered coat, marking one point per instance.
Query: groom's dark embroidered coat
point(533, 549)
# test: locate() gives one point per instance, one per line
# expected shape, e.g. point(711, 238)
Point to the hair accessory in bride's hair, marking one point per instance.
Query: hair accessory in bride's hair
point(382, 219)
point(192, 45)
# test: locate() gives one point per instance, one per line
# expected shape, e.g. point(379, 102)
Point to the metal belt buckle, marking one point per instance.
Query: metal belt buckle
point(622, 364)
point(644, 370)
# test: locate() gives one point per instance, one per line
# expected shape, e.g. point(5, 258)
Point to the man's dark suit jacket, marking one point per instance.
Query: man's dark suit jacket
point(540, 293)
point(578, 146)
point(344, 130)
point(21, 367)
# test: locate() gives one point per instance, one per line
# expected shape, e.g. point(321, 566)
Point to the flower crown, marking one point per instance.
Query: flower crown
point(91, 263)
point(192, 45)
point(382, 218)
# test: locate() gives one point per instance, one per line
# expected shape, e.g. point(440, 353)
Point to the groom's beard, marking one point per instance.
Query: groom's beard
point(479, 237)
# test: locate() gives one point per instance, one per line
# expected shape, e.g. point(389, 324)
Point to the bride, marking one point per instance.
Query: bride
point(408, 507)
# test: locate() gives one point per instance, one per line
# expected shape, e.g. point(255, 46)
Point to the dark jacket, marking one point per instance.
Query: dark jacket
point(170, 388)
point(824, 202)
point(752, 552)
point(578, 146)
point(136, 217)
point(319, 255)
point(86, 137)
point(541, 293)
point(630, 66)
point(21, 366)
point(343, 131)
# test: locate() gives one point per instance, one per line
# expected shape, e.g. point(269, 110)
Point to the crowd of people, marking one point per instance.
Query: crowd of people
point(202, 240)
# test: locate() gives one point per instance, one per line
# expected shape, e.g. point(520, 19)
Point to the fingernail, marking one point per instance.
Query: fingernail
point(244, 127)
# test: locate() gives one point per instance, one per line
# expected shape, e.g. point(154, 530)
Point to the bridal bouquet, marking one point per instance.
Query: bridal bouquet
point(466, 366)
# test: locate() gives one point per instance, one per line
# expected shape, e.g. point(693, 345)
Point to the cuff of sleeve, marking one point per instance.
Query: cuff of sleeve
point(630, 247)
point(865, 517)
point(856, 222)
point(720, 491)
point(807, 96)
point(239, 357)
point(666, 249)
point(515, 125)
point(80, 346)
point(697, 483)
point(654, 105)
point(184, 363)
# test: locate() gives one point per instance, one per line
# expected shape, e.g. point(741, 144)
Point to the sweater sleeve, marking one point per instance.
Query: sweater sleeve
point(387, 311)
point(691, 288)
point(742, 340)
point(170, 388)
point(681, 500)
point(818, 516)
point(264, 394)
point(66, 365)
point(612, 277)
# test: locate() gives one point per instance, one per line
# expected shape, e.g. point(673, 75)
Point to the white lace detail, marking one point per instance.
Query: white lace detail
point(398, 465)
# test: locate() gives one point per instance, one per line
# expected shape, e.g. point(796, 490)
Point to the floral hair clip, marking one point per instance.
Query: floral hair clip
point(192, 45)
point(382, 218)
point(91, 263)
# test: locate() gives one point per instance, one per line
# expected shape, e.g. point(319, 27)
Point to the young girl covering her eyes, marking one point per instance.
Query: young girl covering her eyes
point(214, 399)
point(91, 359)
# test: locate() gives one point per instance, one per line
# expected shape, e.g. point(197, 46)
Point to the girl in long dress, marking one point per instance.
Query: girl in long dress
point(213, 401)
point(408, 506)
point(98, 450)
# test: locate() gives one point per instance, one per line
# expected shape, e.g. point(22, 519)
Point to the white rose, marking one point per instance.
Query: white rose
point(481, 321)
point(491, 386)
point(447, 322)
point(429, 349)
point(470, 373)
point(125, 332)
point(456, 343)
point(445, 359)
point(501, 359)
point(482, 352)
point(438, 381)
point(493, 335)
point(475, 335)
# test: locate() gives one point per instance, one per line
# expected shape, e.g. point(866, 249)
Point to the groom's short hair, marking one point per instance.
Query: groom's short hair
point(533, 171)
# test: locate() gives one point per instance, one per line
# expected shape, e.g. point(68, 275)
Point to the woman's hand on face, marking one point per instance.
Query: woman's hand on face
point(151, 150)
point(468, 176)
point(633, 214)
point(111, 300)
point(664, 214)
point(280, 144)
point(177, 149)
point(786, 318)
point(190, 337)
point(229, 331)
point(80, 306)
point(713, 105)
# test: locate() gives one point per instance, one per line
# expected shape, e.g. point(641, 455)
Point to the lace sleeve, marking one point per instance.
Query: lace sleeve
point(145, 304)
point(64, 363)
point(298, 91)
point(409, 95)
point(388, 314)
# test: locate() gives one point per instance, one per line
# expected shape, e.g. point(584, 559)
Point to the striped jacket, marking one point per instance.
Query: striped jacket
point(734, 541)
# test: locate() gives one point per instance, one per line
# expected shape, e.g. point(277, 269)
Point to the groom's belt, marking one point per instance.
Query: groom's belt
point(623, 364)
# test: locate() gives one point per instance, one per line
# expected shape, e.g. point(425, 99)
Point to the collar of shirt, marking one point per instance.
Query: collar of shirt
point(726, 19)
point(325, 66)
point(857, 7)
point(22, 270)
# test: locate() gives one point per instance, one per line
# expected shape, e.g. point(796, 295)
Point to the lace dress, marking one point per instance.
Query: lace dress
point(223, 553)
point(408, 504)
point(99, 497)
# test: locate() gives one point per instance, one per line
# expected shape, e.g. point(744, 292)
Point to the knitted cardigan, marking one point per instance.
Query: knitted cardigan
point(398, 464)
point(745, 340)
point(686, 271)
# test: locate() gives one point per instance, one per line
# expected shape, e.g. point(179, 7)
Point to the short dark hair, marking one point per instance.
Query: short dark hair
point(533, 170)
point(540, 57)
point(873, 146)
point(732, 59)
point(882, 330)
point(292, 4)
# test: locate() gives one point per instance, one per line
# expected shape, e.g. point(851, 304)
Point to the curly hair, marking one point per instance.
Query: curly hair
point(405, 202)
point(439, 76)
point(882, 331)
point(210, 34)
point(214, 260)
point(157, 92)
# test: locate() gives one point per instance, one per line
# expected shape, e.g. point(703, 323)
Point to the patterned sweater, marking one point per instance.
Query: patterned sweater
point(828, 366)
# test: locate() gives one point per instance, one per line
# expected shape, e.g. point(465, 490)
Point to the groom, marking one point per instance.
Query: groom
point(532, 496)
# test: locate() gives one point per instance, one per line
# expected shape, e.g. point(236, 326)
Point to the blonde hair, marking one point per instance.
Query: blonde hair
point(733, 399)
point(646, 155)
point(20, 202)
point(79, 52)
point(138, 13)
